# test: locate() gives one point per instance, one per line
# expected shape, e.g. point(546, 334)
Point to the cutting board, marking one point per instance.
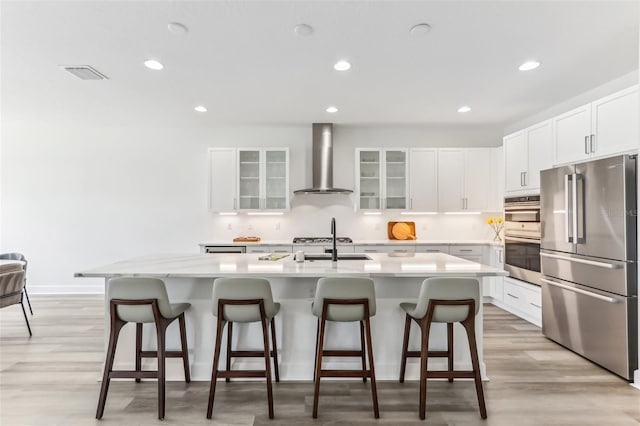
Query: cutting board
point(246, 240)
point(401, 230)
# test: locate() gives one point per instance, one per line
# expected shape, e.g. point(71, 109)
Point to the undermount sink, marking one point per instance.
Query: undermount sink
point(327, 256)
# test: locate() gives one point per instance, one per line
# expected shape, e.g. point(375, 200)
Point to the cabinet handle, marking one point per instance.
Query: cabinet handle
point(466, 250)
point(586, 145)
point(399, 251)
point(593, 143)
point(521, 179)
point(537, 306)
point(234, 203)
point(500, 256)
point(411, 203)
point(370, 251)
point(462, 199)
point(511, 295)
point(524, 178)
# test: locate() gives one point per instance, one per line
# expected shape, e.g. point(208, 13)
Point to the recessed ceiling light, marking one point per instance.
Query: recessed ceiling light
point(420, 29)
point(341, 66)
point(529, 65)
point(177, 28)
point(303, 30)
point(464, 109)
point(153, 64)
point(201, 108)
point(332, 109)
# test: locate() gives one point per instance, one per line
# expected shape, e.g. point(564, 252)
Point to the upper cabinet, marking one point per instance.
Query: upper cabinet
point(382, 179)
point(526, 153)
point(263, 179)
point(248, 179)
point(601, 128)
point(464, 179)
point(423, 180)
point(222, 182)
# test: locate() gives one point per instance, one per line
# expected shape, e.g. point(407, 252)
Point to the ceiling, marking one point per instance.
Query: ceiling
point(243, 61)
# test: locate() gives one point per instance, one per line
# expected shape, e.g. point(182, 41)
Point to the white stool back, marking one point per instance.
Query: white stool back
point(344, 288)
point(243, 289)
point(445, 288)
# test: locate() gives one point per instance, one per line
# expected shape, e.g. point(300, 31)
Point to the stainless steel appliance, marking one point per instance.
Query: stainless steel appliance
point(588, 253)
point(225, 249)
point(522, 238)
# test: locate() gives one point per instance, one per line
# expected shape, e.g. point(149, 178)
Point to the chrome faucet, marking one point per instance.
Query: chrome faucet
point(334, 252)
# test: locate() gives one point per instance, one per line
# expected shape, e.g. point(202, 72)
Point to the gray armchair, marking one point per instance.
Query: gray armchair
point(20, 257)
point(12, 286)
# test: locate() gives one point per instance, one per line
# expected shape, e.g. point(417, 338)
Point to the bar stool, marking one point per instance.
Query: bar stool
point(444, 300)
point(244, 300)
point(142, 300)
point(344, 299)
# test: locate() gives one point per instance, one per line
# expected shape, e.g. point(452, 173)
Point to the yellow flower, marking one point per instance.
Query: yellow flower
point(489, 221)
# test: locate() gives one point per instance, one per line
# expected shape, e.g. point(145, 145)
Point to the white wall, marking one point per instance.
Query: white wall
point(74, 198)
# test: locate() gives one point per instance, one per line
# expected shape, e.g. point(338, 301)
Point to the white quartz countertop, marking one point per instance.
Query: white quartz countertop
point(200, 265)
point(359, 242)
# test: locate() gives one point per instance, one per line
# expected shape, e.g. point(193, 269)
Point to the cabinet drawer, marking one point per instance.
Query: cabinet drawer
point(432, 249)
point(270, 249)
point(523, 298)
point(465, 250)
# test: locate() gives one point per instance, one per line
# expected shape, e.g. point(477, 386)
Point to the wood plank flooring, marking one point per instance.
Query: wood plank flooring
point(51, 379)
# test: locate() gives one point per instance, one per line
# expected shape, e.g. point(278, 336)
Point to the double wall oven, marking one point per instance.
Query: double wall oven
point(522, 233)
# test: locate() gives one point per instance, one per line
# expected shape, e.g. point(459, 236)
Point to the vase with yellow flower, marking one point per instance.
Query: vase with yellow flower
point(496, 224)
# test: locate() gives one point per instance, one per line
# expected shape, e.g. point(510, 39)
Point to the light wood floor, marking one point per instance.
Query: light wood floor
point(51, 379)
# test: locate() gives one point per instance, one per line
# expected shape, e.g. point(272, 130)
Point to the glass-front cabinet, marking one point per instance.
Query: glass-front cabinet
point(263, 179)
point(381, 179)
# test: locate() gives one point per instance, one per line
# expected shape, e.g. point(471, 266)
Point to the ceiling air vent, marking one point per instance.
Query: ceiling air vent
point(85, 72)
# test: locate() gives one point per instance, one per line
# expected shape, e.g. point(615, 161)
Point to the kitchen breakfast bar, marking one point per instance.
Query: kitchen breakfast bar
point(397, 277)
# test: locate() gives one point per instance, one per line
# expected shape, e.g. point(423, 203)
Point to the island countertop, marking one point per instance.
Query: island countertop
point(200, 265)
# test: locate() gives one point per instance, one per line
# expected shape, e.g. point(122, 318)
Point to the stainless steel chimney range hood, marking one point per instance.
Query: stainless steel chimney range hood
point(322, 157)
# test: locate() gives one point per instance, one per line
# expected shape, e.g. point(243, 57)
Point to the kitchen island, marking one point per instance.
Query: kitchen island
point(397, 277)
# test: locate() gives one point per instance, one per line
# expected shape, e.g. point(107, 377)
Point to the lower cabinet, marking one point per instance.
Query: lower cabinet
point(270, 249)
point(384, 248)
point(522, 299)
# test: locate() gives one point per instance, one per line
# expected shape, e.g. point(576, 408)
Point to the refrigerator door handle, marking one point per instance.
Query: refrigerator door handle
point(579, 235)
point(568, 236)
point(577, 290)
point(574, 206)
point(583, 261)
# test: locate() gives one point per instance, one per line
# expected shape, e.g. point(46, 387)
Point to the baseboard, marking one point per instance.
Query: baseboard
point(66, 289)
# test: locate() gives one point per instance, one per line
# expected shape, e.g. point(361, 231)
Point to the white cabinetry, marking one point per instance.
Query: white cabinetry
point(385, 248)
point(285, 248)
point(263, 179)
point(464, 179)
point(423, 180)
point(222, 179)
point(382, 178)
point(522, 299)
point(526, 153)
point(601, 128)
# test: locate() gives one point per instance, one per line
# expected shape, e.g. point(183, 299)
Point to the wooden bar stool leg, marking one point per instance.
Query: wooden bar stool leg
point(161, 330)
point(469, 325)
point(185, 349)
point(267, 366)
point(450, 350)
point(362, 348)
point(315, 359)
point(319, 349)
point(275, 349)
point(229, 340)
point(374, 390)
point(425, 325)
point(116, 326)
point(138, 349)
point(214, 370)
point(405, 347)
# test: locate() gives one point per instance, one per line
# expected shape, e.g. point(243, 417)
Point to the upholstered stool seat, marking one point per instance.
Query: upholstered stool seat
point(244, 300)
point(444, 300)
point(143, 300)
point(345, 299)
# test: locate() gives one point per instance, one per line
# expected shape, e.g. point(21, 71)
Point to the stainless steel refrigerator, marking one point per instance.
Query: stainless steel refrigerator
point(588, 258)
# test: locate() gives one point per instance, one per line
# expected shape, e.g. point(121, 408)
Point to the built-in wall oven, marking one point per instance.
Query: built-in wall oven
point(522, 233)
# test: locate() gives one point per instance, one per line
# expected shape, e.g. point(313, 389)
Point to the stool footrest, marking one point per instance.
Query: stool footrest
point(248, 354)
point(456, 374)
point(341, 353)
point(167, 354)
point(242, 373)
point(416, 354)
point(345, 373)
point(132, 374)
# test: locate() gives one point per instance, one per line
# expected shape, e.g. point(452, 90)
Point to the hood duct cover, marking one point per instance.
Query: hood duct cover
point(322, 152)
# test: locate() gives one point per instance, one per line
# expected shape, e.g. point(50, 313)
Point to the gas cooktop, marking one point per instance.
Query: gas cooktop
point(321, 240)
